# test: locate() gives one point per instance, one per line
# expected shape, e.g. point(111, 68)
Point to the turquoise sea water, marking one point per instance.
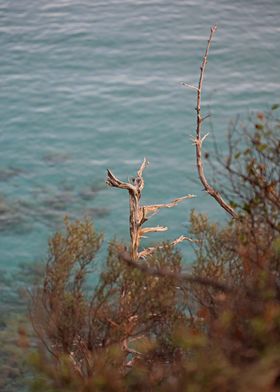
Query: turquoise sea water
point(92, 84)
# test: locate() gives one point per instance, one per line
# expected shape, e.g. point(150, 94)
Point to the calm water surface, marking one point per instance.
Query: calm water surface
point(91, 84)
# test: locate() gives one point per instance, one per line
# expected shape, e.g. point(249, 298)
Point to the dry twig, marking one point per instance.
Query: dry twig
point(199, 139)
point(181, 277)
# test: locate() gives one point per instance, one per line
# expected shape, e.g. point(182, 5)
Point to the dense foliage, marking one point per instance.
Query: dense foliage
point(143, 331)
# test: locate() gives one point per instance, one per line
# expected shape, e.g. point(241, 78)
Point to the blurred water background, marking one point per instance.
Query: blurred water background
point(92, 84)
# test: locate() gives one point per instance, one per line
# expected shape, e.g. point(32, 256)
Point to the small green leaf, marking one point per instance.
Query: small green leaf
point(275, 106)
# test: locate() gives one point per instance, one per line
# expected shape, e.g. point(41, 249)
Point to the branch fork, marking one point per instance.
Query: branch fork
point(141, 214)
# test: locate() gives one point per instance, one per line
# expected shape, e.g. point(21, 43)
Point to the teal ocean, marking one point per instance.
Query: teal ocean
point(92, 84)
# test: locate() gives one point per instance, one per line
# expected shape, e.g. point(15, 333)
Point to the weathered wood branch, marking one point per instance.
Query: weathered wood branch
point(152, 209)
point(156, 229)
point(180, 277)
point(199, 140)
point(140, 172)
point(136, 214)
point(146, 252)
point(113, 181)
point(140, 214)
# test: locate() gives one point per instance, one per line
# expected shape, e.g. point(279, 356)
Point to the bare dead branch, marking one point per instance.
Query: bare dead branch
point(142, 168)
point(152, 209)
point(205, 117)
point(152, 230)
point(183, 277)
point(189, 85)
point(140, 214)
point(199, 140)
point(113, 181)
point(146, 252)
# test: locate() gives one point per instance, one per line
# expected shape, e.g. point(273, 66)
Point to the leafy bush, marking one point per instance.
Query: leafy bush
point(150, 327)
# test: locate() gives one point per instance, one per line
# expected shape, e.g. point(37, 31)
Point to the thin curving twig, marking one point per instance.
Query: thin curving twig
point(183, 277)
point(199, 140)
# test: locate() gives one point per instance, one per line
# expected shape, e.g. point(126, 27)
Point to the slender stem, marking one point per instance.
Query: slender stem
point(203, 281)
point(198, 141)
